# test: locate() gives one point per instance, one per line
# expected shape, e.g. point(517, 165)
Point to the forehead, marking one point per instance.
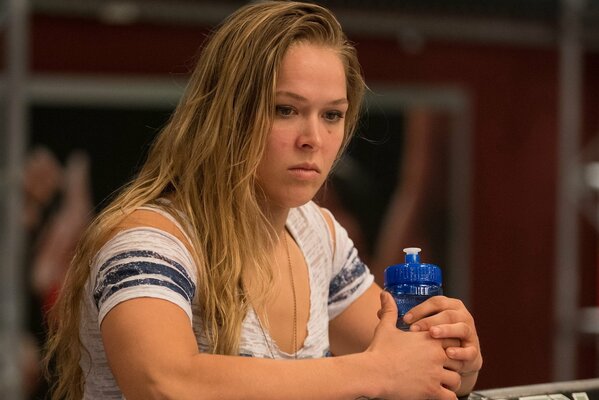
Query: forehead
point(304, 63)
point(304, 49)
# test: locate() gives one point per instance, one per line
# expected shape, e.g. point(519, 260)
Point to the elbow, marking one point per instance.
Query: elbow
point(152, 391)
point(147, 387)
point(160, 390)
point(163, 383)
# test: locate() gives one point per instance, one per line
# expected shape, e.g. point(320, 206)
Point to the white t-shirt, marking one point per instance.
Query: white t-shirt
point(149, 262)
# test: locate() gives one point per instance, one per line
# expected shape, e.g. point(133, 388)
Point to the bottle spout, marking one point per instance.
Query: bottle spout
point(412, 254)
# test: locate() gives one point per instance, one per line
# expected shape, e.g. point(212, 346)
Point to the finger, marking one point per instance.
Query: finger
point(454, 365)
point(446, 343)
point(459, 330)
point(451, 380)
point(445, 394)
point(431, 306)
point(469, 353)
point(388, 312)
point(443, 317)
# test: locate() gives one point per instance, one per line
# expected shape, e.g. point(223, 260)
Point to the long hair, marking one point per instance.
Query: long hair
point(205, 159)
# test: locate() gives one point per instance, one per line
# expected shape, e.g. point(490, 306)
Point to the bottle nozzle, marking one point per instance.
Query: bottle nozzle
point(412, 254)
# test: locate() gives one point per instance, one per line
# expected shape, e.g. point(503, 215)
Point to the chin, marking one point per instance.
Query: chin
point(298, 203)
point(294, 201)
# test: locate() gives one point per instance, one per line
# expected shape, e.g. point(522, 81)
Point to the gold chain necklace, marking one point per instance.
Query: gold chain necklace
point(294, 306)
point(294, 295)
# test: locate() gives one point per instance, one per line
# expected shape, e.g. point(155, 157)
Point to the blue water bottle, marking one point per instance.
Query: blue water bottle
point(411, 283)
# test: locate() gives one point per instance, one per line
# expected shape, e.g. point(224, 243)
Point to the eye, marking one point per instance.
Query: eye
point(333, 116)
point(284, 111)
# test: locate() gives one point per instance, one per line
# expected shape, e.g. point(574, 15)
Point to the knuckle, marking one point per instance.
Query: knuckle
point(454, 316)
point(435, 383)
point(466, 329)
point(458, 303)
point(442, 356)
point(431, 389)
point(423, 324)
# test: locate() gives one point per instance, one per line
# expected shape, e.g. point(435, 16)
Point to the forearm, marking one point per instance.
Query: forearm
point(225, 377)
point(161, 361)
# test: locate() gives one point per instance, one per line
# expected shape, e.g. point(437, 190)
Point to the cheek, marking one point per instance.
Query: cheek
point(275, 146)
point(277, 140)
point(334, 143)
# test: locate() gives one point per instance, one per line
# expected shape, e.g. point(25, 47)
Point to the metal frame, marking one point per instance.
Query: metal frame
point(11, 245)
point(566, 273)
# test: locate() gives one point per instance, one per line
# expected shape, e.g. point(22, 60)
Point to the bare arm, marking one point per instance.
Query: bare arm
point(153, 355)
point(353, 330)
point(441, 317)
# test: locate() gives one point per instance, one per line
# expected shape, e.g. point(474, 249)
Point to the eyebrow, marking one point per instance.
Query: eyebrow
point(303, 99)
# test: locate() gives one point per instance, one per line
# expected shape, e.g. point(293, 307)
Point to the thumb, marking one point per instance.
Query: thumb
point(388, 312)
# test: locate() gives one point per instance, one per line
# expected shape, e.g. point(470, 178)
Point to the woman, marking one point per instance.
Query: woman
point(213, 268)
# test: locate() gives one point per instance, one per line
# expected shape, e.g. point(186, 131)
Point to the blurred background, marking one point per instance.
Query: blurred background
point(479, 143)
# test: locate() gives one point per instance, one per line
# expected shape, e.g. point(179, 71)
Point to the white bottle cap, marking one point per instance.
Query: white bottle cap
point(412, 250)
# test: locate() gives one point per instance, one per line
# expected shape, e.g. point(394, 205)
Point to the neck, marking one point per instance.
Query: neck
point(277, 216)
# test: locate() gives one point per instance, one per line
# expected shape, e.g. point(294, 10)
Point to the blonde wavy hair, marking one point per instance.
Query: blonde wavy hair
point(205, 159)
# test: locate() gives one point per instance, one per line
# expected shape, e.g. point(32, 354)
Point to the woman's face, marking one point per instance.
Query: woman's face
point(308, 127)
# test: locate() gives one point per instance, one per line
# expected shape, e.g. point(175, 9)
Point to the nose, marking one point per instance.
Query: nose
point(310, 137)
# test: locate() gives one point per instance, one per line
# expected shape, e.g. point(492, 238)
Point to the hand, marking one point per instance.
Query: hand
point(413, 365)
point(445, 317)
point(42, 178)
point(63, 229)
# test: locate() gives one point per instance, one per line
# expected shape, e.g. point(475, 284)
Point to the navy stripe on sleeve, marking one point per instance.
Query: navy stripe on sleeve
point(140, 282)
point(164, 272)
point(353, 269)
point(141, 253)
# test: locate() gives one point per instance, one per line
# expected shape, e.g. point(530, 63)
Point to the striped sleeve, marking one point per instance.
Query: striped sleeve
point(350, 276)
point(143, 262)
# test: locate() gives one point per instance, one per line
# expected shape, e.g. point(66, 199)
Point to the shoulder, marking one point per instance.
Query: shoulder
point(328, 217)
point(148, 231)
point(147, 255)
point(330, 221)
point(152, 217)
point(315, 216)
point(311, 220)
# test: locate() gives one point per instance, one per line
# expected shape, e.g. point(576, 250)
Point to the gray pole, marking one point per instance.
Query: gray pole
point(566, 285)
point(11, 245)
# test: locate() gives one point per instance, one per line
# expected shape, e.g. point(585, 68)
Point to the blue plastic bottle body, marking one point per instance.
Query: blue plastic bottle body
point(410, 295)
point(411, 283)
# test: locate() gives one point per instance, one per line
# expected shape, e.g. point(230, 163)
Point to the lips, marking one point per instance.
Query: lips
point(305, 172)
point(306, 167)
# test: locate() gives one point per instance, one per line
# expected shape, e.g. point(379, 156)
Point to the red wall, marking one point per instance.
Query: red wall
point(514, 98)
point(513, 92)
point(70, 45)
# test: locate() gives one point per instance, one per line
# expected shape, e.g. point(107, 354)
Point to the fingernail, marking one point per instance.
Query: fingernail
point(415, 328)
point(408, 317)
point(451, 352)
point(435, 331)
